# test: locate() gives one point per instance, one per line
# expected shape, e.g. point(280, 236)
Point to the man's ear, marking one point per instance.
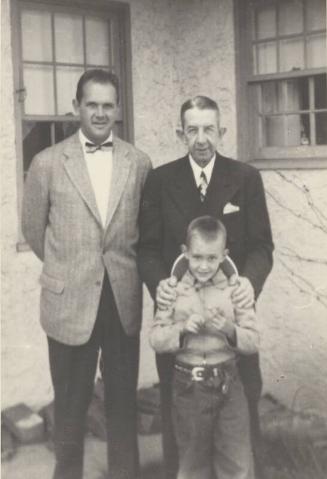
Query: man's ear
point(183, 248)
point(226, 252)
point(180, 134)
point(222, 132)
point(76, 106)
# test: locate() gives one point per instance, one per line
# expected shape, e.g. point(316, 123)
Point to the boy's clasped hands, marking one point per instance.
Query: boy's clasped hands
point(214, 321)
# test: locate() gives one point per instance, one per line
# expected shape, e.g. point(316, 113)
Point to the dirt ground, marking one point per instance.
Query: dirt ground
point(294, 447)
point(37, 460)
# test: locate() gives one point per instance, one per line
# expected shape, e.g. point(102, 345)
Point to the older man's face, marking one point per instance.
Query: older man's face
point(97, 110)
point(201, 134)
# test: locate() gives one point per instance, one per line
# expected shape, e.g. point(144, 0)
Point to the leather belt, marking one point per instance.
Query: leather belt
point(204, 372)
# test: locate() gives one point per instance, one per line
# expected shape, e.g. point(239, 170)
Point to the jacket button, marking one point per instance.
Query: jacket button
point(98, 283)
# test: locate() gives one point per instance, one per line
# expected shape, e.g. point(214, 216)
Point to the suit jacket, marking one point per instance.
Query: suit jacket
point(171, 201)
point(62, 225)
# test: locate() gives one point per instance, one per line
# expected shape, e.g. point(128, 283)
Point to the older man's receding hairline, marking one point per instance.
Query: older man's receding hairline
point(202, 103)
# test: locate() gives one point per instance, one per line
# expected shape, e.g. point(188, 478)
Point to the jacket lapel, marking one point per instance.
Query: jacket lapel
point(77, 171)
point(120, 171)
point(223, 186)
point(183, 190)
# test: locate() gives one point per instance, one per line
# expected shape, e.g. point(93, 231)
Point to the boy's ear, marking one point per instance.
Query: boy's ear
point(183, 249)
point(226, 252)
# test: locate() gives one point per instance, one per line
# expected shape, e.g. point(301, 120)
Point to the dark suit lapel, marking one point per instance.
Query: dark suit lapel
point(76, 169)
point(120, 171)
point(183, 190)
point(223, 186)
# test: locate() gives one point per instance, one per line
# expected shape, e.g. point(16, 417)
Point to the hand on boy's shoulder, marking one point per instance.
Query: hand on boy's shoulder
point(243, 292)
point(166, 292)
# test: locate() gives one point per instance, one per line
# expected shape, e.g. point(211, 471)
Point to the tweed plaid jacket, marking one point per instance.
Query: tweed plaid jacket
point(62, 225)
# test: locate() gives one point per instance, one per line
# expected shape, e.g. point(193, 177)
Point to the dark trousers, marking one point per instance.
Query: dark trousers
point(73, 370)
point(252, 382)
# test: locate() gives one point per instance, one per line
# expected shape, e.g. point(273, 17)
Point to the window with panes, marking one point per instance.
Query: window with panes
point(55, 44)
point(283, 93)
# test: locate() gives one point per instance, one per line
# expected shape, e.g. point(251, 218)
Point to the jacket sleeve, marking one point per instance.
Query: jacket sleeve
point(247, 335)
point(165, 332)
point(151, 265)
point(259, 244)
point(36, 204)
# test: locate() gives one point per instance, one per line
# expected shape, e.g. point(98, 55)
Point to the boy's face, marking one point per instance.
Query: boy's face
point(204, 256)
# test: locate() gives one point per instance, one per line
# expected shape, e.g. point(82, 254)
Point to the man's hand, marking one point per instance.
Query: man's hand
point(166, 292)
point(194, 323)
point(243, 294)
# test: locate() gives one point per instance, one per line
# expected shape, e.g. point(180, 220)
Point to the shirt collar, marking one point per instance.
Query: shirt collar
point(219, 280)
point(197, 170)
point(83, 139)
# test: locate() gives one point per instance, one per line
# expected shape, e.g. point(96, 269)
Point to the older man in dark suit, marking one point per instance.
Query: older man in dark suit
point(204, 183)
point(80, 217)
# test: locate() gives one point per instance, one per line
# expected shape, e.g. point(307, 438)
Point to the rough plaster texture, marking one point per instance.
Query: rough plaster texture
point(181, 48)
point(293, 306)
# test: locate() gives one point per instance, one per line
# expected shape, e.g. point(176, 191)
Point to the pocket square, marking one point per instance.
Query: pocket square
point(230, 208)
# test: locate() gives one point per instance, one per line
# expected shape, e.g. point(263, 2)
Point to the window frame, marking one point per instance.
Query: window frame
point(122, 11)
point(289, 157)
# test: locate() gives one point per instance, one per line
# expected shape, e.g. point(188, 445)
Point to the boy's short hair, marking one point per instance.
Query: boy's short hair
point(208, 227)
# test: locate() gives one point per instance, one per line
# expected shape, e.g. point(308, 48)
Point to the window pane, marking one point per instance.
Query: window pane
point(67, 78)
point(297, 94)
point(274, 131)
point(316, 51)
point(320, 89)
point(267, 59)
point(293, 130)
point(291, 54)
point(38, 81)
point(290, 130)
point(36, 36)
point(305, 130)
point(97, 41)
point(321, 128)
point(272, 97)
point(266, 22)
point(69, 38)
point(36, 137)
point(290, 17)
point(316, 14)
point(67, 128)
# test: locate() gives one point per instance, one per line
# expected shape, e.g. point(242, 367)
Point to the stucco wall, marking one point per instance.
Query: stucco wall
point(181, 48)
point(293, 307)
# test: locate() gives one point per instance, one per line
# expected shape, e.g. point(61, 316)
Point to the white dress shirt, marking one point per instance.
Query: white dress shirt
point(197, 170)
point(99, 166)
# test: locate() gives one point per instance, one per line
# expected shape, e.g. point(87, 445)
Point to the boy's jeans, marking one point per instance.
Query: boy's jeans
point(212, 429)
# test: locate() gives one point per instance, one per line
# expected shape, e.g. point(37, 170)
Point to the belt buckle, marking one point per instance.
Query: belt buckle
point(197, 373)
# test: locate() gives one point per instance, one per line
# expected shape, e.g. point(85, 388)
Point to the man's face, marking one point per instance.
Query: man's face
point(204, 257)
point(97, 110)
point(201, 134)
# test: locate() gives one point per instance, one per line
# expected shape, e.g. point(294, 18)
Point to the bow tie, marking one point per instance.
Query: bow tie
point(92, 148)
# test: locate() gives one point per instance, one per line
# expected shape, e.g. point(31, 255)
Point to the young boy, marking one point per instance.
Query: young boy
point(207, 332)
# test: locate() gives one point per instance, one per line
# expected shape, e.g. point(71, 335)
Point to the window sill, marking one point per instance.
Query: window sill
point(290, 163)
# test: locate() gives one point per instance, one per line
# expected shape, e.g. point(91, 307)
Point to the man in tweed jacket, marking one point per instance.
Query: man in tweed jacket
point(80, 213)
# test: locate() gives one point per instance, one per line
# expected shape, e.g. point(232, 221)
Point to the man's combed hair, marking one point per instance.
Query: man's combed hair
point(97, 75)
point(200, 102)
point(206, 227)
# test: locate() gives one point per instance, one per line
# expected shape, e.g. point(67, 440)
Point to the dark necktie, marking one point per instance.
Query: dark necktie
point(203, 185)
point(92, 148)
